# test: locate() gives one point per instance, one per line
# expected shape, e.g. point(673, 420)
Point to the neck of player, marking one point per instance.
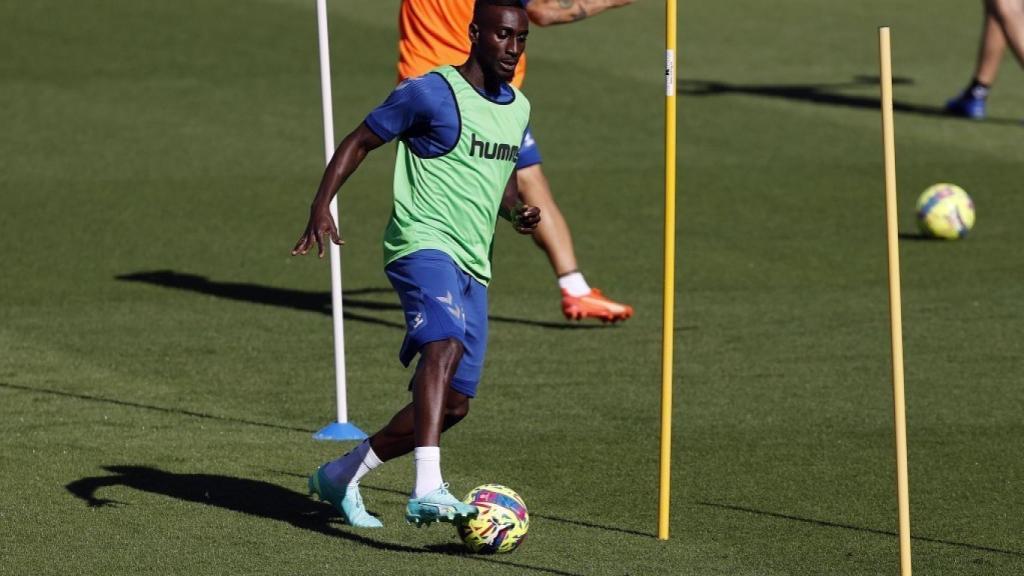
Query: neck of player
point(475, 74)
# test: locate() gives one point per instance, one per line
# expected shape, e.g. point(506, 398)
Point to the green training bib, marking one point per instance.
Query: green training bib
point(450, 202)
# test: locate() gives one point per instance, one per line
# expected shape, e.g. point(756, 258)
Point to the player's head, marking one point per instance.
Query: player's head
point(498, 35)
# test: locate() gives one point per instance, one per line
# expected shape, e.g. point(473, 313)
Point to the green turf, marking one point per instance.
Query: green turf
point(160, 350)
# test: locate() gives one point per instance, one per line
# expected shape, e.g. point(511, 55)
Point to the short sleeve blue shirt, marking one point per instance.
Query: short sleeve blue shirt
point(422, 112)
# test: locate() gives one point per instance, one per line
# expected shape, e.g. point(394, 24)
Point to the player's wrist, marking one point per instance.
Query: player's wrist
point(510, 213)
point(320, 206)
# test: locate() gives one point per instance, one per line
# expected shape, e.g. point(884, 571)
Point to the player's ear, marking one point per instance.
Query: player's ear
point(474, 33)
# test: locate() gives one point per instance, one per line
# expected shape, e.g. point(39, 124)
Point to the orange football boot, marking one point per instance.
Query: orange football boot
point(594, 305)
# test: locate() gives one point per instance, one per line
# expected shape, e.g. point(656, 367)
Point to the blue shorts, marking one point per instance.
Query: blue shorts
point(529, 153)
point(442, 301)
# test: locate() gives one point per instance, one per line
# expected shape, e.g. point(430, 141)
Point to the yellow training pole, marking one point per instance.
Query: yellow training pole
point(668, 297)
point(895, 306)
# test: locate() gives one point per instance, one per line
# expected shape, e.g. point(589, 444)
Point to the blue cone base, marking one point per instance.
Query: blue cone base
point(340, 431)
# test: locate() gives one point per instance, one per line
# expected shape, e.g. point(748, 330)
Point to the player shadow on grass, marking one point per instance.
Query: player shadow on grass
point(829, 524)
point(355, 301)
point(255, 498)
point(830, 94)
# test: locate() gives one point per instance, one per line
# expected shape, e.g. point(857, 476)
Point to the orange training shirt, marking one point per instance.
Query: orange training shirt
point(432, 33)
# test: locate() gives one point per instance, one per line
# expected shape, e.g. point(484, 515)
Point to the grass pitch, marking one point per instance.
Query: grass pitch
point(163, 361)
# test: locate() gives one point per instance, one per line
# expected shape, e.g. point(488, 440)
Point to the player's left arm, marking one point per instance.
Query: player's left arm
point(549, 12)
point(524, 218)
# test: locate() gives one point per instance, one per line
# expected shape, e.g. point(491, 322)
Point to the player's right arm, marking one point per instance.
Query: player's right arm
point(347, 158)
point(408, 107)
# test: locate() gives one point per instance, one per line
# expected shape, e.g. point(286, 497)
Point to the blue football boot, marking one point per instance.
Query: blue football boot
point(967, 105)
point(346, 500)
point(438, 506)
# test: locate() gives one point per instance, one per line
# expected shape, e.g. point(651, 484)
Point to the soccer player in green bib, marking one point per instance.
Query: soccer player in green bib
point(459, 130)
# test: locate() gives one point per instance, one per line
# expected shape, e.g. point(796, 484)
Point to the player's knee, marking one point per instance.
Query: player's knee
point(458, 412)
point(456, 409)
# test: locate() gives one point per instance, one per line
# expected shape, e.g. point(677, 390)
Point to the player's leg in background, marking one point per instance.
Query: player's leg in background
point(991, 50)
point(970, 103)
point(1010, 15)
point(553, 236)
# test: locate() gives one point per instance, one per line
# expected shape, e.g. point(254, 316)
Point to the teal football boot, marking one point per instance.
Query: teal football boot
point(438, 506)
point(347, 501)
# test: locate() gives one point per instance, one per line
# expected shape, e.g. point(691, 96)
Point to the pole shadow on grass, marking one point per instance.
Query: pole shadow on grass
point(829, 524)
point(356, 305)
point(255, 498)
point(165, 410)
point(828, 94)
point(542, 516)
point(532, 514)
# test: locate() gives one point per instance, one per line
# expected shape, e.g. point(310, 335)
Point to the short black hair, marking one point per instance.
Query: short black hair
point(479, 4)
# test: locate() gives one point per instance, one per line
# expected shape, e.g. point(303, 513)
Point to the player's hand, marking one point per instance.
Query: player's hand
point(320, 224)
point(527, 218)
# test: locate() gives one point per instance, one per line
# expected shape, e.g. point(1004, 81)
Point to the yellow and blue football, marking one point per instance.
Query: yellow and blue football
point(501, 524)
point(945, 211)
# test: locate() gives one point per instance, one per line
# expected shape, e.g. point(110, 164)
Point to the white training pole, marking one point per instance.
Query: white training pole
point(895, 302)
point(336, 304)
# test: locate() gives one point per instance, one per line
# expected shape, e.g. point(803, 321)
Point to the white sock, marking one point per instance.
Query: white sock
point(574, 283)
point(351, 467)
point(428, 470)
